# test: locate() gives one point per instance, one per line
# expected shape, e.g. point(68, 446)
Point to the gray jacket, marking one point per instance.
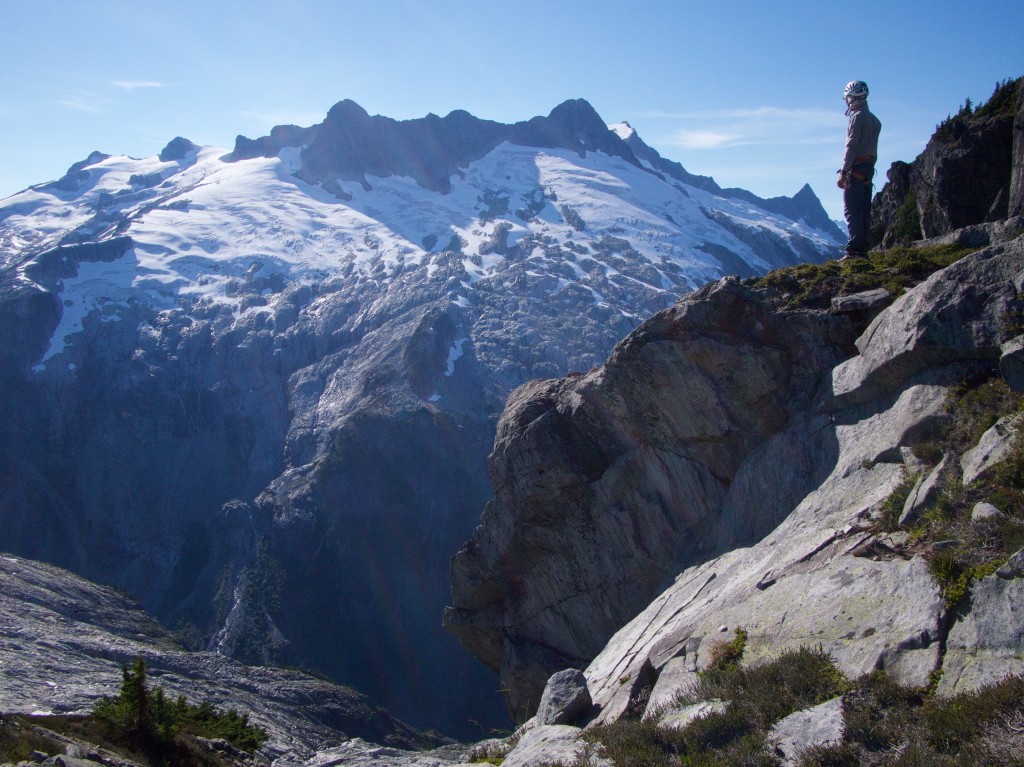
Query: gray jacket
point(861, 136)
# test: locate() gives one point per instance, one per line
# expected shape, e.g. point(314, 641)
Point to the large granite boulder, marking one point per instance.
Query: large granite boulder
point(566, 698)
point(821, 725)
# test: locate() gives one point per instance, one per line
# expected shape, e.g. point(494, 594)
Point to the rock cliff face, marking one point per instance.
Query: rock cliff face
point(730, 461)
point(969, 173)
point(1017, 173)
point(607, 482)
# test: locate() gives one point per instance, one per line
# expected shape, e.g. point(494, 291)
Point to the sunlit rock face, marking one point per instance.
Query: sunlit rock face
point(726, 468)
point(257, 388)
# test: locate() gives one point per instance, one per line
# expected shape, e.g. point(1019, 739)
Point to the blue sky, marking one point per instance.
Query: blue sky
point(747, 92)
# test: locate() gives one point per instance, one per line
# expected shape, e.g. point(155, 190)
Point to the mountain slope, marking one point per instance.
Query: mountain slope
point(256, 388)
point(64, 641)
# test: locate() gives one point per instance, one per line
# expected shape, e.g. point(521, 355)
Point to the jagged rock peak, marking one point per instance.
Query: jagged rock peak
point(177, 149)
point(578, 117)
point(77, 173)
point(347, 111)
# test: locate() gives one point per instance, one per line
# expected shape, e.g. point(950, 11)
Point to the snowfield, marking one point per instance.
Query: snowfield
point(200, 223)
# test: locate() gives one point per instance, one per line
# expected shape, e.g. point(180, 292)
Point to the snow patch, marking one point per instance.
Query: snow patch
point(623, 130)
point(454, 355)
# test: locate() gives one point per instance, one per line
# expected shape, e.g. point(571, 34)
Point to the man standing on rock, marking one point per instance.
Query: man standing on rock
point(858, 168)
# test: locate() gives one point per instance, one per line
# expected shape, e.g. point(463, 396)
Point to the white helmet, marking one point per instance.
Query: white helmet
point(855, 90)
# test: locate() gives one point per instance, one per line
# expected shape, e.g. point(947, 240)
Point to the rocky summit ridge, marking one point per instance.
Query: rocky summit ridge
point(256, 387)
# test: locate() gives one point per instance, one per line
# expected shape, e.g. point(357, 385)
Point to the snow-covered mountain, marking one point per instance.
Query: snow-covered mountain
point(256, 387)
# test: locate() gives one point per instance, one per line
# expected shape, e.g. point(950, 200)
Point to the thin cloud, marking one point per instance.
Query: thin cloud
point(83, 103)
point(134, 85)
point(704, 139)
point(760, 126)
point(807, 115)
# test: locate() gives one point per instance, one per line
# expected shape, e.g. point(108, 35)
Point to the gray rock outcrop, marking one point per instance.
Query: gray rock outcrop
point(985, 511)
point(993, 447)
point(360, 753)
point(1016, 207)
point(869, 300)
point(987, 643)
point(607, 481)
point(925, 492)
point(743, 482)
point(678, 718)
point(555, 744)
point(1011, 363)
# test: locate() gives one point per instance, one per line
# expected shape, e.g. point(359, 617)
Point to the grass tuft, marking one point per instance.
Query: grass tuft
point(812, 286)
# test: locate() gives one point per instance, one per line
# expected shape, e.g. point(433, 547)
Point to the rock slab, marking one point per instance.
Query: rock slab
point(818, 726)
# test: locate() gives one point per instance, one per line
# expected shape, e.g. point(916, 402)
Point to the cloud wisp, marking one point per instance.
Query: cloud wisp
point(134, 85)
point(84, 102)
point(760, 126)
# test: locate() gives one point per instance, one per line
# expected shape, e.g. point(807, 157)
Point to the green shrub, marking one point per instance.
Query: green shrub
point(1004, 101)
point(976, 406)
point(837, 755)
point(885, 724)
point(632, 743)
point(141, 722)
point(952, 723)
point(727, 655)
point(955, 575)
point(888, 724)
point(758, 696)
point(769, 691)
point(906, 225)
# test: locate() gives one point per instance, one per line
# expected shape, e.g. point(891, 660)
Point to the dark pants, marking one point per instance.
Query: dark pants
point(857, 208)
